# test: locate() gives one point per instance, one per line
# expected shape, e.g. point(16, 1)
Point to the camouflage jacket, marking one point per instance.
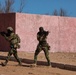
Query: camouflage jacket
point(13, 39)
point(41, 37)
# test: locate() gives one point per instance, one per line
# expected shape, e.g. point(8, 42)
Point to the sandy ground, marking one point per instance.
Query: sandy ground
point(62, 64)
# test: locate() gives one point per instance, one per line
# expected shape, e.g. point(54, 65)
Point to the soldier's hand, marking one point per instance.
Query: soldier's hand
point(48, 31)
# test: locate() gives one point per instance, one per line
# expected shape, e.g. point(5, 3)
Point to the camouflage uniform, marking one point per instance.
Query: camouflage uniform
point(43, 45)
point(14, 41)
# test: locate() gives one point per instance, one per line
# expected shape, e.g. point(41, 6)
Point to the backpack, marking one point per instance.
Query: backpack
point(18, 38)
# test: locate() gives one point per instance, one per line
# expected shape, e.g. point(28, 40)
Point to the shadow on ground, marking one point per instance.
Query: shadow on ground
point(43, 63)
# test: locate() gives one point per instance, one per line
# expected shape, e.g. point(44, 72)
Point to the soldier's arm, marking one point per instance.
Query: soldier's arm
point(11, 37)
point(6, 37)
point(38, 37)
point(46, 33)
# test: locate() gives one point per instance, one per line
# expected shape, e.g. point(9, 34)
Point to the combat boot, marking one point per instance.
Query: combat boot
point(34, 65)
point(3, 64)
point(20, 64)
point(49, 65)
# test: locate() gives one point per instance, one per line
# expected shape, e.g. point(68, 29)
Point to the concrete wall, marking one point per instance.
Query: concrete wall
point(27, 27)
point(62, 37)
point(6, 20)
point(67, 34)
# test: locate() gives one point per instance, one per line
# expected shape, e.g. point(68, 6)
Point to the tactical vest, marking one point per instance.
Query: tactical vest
point(14, 40)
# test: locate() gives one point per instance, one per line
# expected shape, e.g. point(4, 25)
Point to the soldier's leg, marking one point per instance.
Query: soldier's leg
point(16, 57)
point(38, 50)
point(7, 59)
point(46, 51)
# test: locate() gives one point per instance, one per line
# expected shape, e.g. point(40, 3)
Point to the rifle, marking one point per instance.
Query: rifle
point(3, 33)
point(43, 36)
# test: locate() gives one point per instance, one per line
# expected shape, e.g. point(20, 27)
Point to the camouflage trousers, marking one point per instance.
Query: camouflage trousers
point(46, 52)
point(14, 53)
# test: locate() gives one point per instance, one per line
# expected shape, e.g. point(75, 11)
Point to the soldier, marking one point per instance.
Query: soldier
point(14, 41)
point(43, 45)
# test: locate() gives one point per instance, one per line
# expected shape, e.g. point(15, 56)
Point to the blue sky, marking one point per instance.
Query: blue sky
point(48, 6)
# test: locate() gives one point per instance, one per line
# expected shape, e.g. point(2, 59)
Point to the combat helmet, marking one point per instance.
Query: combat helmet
point(10, 28)
point(41, 28)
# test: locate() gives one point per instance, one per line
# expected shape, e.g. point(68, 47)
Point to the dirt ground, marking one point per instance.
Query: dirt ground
point(62, 64)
